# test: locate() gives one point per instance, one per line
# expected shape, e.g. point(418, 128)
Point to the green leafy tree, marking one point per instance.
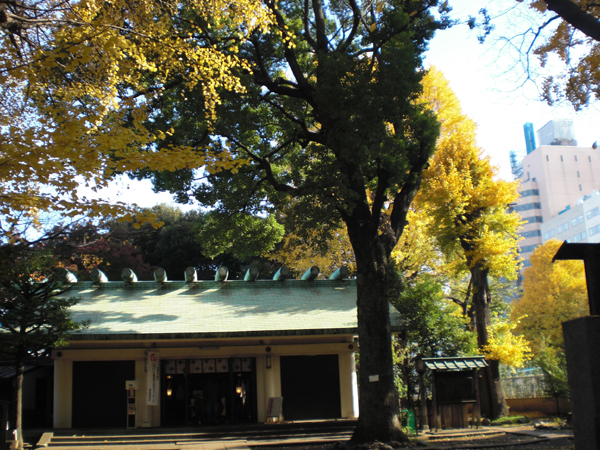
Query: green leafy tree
point(185, 239)
point(204, 241)
point(434, 326)
point(34, 316)
point(329, 117)
point(553, 364)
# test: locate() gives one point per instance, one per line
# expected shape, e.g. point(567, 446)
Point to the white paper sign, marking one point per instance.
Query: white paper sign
point(153, 380)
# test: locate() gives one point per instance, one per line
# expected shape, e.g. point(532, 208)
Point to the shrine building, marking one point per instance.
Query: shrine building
point(158, 353)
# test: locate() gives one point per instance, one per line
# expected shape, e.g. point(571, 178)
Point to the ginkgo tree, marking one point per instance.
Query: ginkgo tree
point(562, 35)
point(471, 224)
point(74, 87)
point(553, 292)
point(568, 31)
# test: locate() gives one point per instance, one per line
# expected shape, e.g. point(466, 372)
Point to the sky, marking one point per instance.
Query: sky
point(489, 94)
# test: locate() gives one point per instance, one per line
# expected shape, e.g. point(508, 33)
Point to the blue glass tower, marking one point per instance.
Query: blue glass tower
point(529, 137)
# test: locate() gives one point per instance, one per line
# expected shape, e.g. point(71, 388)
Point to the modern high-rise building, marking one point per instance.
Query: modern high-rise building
point(529, 137)
point(516, 157)
point(558, 180)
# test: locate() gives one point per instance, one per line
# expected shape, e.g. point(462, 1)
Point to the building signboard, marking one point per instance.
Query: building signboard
point(153, 380)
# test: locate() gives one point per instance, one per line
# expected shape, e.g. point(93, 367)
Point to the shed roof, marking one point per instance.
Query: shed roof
point(173, 310)
point(455, 363)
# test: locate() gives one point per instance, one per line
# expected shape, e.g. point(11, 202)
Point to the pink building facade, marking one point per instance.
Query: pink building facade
point(555, 180)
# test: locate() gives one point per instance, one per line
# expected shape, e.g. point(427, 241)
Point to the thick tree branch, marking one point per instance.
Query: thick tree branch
point(265, 165)
point(307, 34)
point(355, 24)
point(290, 55)
point(405, 196)
point(577, 17)
point(322, 41)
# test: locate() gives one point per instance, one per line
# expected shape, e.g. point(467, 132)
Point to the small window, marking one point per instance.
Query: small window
point(547, 158)
point(561, 158)
point(575, 157)
point(580, 188)
point(590, 158)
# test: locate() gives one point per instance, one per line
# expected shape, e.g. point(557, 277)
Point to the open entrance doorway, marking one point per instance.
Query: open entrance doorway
point(200, 392)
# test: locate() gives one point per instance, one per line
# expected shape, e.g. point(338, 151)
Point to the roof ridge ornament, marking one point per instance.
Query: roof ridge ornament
point(128, 276)
point(190, 275)
point(68, 277)
point(311, 273)
point(160, 275)
point(282, 274)
point(98, 276)
point(222, 274)
point(340, 273)
point(251, 274)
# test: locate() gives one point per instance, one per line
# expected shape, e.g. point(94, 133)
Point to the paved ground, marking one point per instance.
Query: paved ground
point(524, 437)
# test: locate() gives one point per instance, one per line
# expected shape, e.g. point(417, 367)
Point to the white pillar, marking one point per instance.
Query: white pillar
point(63, 393)
point(348, 386)
point(146, 416)
point(268, 383)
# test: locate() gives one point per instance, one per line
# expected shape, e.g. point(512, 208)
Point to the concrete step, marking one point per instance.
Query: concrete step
point(255, 435)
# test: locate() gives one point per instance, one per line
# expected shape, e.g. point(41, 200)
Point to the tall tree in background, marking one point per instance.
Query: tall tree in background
point(34, 316)
point(330, 117)
point(434, 326)
point(471, 224)
point(185, 239)
point(552, 294)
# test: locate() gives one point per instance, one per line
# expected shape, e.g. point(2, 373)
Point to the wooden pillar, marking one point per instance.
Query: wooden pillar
point(477, 406)
point(434, 405)
point(423, 409)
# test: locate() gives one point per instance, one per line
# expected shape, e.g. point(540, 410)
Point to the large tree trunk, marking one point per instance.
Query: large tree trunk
point(378, 402)
point(493, 403)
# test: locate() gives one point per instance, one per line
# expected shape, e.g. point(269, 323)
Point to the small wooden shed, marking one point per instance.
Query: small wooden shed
point(455, 388)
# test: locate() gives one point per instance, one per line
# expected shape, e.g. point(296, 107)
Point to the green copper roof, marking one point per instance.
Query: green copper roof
point(455, 363)
point(216, 309)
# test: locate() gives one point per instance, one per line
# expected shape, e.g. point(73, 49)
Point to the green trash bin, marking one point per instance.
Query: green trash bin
point(408, 421)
